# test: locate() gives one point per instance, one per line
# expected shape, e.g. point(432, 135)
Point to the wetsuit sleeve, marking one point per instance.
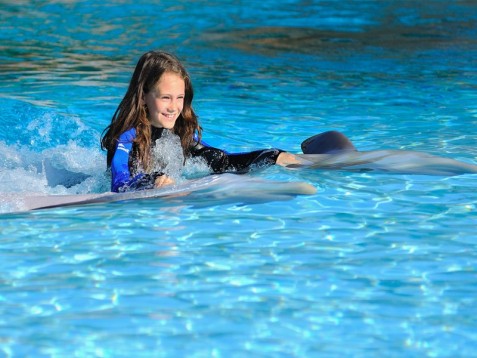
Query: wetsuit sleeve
point(243, 162)
point(140, 182)
point(121, 179)
point(120, 174)
point(221, 162)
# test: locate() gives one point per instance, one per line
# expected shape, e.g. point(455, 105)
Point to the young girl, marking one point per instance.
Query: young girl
point(158, 104)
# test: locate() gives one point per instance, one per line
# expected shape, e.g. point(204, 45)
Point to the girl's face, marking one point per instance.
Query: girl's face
point(166, 100)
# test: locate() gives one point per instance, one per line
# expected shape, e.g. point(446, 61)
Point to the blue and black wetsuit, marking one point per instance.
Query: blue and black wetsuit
point(219, 161)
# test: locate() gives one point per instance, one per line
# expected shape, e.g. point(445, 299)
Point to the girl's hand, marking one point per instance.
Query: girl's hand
point(163, 180)
point(289, 160)
point(284, 159)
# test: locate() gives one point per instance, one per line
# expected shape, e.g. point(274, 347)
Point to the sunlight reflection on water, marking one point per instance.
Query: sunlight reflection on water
point(386, 261)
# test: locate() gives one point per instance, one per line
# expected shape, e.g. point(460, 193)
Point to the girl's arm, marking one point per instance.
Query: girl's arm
point(121, 179)
point(120, 173)
point(221, 161)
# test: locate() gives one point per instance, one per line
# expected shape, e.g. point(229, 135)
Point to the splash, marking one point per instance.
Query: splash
point(167, 155)
point(64, 169)
point(168, 158)
point(196, 168)
point(61, 170)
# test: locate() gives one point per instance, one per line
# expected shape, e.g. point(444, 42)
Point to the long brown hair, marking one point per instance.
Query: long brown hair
point(132, 113)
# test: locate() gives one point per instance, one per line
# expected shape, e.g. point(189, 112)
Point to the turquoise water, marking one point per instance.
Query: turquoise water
point(374, 264)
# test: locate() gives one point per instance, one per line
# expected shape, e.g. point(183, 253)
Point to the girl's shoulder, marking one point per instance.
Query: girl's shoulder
point(128, 136)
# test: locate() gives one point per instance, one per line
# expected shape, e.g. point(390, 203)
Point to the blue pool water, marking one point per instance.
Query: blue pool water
point(374, 264)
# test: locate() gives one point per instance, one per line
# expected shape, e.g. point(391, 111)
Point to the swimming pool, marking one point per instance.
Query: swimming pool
point(374, 264)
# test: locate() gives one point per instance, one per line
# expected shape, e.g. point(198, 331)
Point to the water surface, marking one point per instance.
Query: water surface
point(373, 264)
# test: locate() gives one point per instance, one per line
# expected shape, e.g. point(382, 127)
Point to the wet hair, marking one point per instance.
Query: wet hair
point(132, 111)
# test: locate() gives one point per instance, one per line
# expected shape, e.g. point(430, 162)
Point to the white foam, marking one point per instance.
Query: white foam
point(65, 169)
point(168, 156)
point(195, 168)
